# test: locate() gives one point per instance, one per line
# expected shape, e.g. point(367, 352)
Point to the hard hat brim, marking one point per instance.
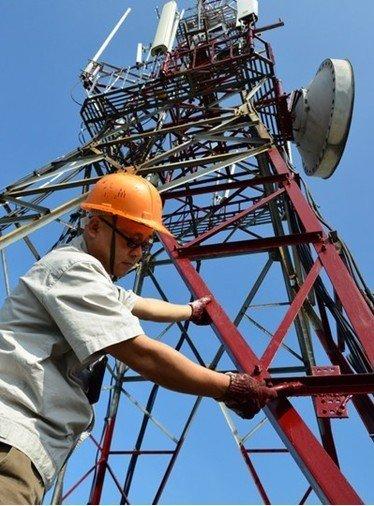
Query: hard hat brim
point(154, 225)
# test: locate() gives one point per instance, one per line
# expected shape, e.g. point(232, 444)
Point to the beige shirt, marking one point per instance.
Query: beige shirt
point(63, 312)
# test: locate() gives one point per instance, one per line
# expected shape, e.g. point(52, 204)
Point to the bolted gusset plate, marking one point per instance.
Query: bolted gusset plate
point(330, 405)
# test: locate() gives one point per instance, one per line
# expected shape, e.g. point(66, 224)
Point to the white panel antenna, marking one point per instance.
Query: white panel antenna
point(177, 19)
point(139, 54)
point(163, 38)
point(247, 10)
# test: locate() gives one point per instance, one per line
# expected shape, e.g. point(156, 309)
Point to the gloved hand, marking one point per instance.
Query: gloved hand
point(199, 315)
point(246, 396)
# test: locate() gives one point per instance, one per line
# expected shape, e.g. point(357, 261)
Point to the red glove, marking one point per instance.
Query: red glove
point(199, 314)
point(246, 396)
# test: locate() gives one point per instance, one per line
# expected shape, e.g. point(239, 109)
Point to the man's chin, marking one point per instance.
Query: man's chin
point(123, 270)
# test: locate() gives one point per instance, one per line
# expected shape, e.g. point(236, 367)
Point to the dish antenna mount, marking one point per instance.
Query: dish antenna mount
point(321, 117)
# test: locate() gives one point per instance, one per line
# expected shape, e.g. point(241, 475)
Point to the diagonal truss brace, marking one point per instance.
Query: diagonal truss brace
point(352, 300)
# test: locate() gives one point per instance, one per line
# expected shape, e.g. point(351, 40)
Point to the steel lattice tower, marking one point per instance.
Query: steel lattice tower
point(208, 124)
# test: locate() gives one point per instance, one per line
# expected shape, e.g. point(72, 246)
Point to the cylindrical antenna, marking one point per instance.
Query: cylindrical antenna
point(139, 53)
point(177, 19)
point(165, 27)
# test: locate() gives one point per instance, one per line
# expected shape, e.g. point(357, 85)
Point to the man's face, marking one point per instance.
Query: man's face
point(98, 236)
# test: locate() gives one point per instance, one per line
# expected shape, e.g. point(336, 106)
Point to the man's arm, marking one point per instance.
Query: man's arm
point(169, 368)
point(160, 311)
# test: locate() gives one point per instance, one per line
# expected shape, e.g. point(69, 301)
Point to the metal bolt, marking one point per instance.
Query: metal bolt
point(257, 369)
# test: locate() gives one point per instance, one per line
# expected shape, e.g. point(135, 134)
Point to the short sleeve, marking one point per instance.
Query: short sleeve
point(85, 305)
point(127, 297)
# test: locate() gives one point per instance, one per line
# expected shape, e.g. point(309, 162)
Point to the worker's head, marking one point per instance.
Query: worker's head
point(124, 210)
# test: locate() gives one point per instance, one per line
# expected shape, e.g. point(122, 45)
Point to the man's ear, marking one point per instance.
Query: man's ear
point(93, 226)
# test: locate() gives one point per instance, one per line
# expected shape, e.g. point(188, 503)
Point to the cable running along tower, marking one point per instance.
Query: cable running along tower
point(203, 116)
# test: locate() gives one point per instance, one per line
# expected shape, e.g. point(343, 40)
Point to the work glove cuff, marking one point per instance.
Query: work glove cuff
point(199, 314)
point(246, 396)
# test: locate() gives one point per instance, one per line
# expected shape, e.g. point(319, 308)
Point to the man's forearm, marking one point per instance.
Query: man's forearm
point(169, 368)
point(160, 311)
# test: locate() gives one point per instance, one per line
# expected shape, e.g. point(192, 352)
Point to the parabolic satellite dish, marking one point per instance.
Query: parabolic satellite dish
point(321, 117)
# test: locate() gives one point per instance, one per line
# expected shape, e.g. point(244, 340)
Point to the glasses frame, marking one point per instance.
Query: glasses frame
point(130, 242)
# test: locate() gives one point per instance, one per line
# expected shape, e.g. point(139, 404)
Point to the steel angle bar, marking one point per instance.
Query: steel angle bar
point(211, 251)
point(246, 458)
point(363, 404)
point(182, 328)
point(52, 188)
point(149, 415)
point(60, 167)
point(22, 203)
point(267, 450)
point(221, 226)
point(306, 495)
point(141, 452)
point(177, 450)
point(139, 442)
point(230, 139)
point(225, 158)
point(59, 499)
point(342, 384)
point(14, 218)
point(5, 272)
point(116, 481)
point(25, 230)
point(59, 485)
point(77, 153)
point(257, 427)
point(150, 403)
point(255, 89)
point(233, 125)
point(209, 214)
point(349, 294)
point(200, 190)
point(322, 473)
point(290, 315)
point(165, 130)
point(169, 152)
point(269, 334)
point(180, 147)
point(203, 172)
point(268, 27)
point(255, 476)
point(242, 311)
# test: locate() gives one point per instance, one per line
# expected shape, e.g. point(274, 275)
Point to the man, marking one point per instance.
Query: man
point(65, 314)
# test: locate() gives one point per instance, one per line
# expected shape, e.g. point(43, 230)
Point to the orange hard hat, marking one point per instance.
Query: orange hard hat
point(127, 196)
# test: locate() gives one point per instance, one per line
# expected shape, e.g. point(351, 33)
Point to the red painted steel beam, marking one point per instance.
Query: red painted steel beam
point(237, 217)
point(342, 384)
point(289, 317)
point(322, 473)
point(71, 490)
point(260, 487)
point(103, 462)
point(241, 247)
point(354, 304)
point(363, 404)
point(200, 190)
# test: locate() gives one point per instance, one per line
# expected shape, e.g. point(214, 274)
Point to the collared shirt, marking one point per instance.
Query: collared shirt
point(64, 311)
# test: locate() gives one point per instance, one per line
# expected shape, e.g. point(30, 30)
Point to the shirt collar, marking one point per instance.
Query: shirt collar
point(79, 242)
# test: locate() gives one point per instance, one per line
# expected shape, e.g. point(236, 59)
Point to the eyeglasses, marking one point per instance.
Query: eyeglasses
point(131, 243)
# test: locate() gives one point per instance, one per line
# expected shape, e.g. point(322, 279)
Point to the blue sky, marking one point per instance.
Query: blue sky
point(44, 45)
